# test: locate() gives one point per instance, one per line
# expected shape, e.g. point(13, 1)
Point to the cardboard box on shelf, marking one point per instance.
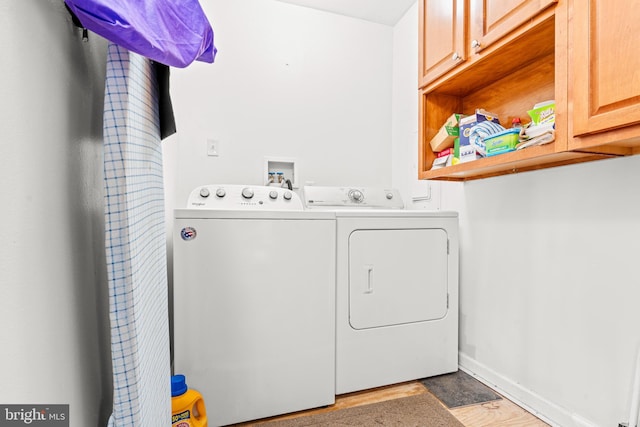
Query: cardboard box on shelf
point(445, 152)
point(443, 161)
point(446, 135)
point(464, 153)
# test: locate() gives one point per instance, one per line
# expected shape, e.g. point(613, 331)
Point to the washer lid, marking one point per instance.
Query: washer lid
point(352, 198)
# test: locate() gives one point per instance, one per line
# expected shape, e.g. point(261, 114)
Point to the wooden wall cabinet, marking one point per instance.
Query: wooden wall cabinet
point(583, 54)
point(605, 67)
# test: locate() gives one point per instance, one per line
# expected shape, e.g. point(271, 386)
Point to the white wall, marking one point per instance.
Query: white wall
point(416, 194)
point(292, 82)
point(549, 286)
point(53, 301)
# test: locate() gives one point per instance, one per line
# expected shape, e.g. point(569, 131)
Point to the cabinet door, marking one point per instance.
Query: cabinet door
point(442, 32)
point(605, 64)
point(492, 19)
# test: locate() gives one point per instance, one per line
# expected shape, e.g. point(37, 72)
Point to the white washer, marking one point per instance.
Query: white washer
point(254, 302)
point(397, 287)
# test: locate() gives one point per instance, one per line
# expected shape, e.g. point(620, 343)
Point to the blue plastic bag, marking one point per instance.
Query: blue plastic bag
point(172, 32)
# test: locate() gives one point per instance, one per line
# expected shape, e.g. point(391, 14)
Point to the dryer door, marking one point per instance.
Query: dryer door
point(397, 276)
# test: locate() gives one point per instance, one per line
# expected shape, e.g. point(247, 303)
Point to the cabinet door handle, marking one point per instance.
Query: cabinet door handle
point(456, 56)
point(475, 44)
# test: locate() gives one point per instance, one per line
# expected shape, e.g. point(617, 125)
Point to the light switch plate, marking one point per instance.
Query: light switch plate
point(213, 147)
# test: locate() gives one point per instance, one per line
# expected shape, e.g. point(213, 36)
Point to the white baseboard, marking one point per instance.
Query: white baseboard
point(542, 408)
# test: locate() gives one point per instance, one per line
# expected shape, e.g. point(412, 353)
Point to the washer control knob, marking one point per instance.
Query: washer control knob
point(356, 196)
point(273, 194)
point(204, 192)
point(247, 193)
point(389, 196)
point(221, 193)
point(287, 195)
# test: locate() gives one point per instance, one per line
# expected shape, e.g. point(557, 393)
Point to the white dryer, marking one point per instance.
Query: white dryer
point(254, 302)
point(396, 287)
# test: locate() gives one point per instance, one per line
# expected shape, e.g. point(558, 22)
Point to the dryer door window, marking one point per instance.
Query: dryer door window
point(397, 277)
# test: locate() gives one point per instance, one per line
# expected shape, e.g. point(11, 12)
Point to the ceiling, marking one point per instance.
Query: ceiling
point(386, 12)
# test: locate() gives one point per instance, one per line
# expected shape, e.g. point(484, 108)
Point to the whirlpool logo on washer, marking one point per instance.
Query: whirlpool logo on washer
point(188, 233)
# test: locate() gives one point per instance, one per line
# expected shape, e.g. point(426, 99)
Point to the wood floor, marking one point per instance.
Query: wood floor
point(498, 413)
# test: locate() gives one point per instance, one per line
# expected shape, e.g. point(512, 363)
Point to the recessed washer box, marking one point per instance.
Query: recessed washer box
point(286, 166)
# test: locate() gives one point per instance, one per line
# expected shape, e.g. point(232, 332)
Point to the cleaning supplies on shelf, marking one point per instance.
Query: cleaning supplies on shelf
point(545, 137)
point(541, 130)
point(543, 113)
point(502, 142)
point(482, 131)
point(473, 130)
point(516, 123)
point(482, 135)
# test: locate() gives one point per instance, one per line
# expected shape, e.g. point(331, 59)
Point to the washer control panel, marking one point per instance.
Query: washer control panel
point(244, 197)
point(352, 197)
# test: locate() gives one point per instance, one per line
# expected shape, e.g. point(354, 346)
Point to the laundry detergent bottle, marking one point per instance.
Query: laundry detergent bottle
point(187, 406)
